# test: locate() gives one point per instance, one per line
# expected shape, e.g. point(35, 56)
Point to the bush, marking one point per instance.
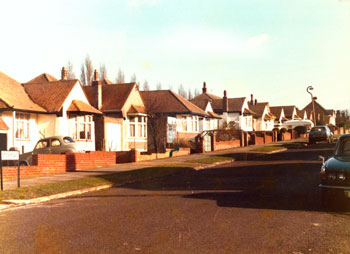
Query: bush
point(300, 129)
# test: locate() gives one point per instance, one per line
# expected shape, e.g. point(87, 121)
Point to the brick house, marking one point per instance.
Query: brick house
point(234, 111)
point(173, 118)
point(123, 125)
point(44, 107)
point(323, 116)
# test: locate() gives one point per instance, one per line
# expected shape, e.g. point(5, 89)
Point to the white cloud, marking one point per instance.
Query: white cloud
point(137, 4)
point(215, 42)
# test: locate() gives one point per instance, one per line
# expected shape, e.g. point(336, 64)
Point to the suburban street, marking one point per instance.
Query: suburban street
point(268, 204)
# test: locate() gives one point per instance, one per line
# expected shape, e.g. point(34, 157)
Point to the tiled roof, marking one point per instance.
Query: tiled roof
point(318, 108)
point(114, 96)
point(137, 109)
point(301, 113)
point(80, 106)
point(213, 115)
point(288, 111)
point(3, 125)
point(200, 103)
point(50, 95)
point(258, 108)
point(234, 104)
point(206, 96)
point(276, 110)
point(167, 101)
point(43, 78)
point(12, 95)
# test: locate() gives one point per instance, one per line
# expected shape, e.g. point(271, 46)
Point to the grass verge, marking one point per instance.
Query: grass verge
point(87, 182)
point(266, 149)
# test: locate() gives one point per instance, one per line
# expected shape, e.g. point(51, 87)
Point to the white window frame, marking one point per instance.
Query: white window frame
point(140, 125)
point(84, 121)
point(22, 126)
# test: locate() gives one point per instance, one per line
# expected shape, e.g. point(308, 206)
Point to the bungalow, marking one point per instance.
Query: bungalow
point(233, 111)
point(264, 119)
point(172, 118)
point(323, 116)
point(123, 125)
point(44, 107)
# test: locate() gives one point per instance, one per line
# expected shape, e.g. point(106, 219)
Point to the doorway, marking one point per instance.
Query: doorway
point(3, 142)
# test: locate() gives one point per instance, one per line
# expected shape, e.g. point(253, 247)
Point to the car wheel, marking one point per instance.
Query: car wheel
point(23, 163)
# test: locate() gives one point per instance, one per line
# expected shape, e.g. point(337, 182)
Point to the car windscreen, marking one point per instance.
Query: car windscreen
point(343, 147)
point(318, 129)
point(68, 140)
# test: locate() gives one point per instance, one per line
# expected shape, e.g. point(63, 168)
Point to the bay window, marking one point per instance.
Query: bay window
point(137, 127)
point(81, 127)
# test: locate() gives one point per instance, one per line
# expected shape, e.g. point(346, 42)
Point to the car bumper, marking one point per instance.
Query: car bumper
point(347, 188)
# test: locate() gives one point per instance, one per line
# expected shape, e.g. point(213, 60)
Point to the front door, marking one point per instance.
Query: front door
point(3, 142)
point(207, 143)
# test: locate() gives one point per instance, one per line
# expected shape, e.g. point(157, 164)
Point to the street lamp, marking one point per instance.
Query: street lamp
point(313, 102)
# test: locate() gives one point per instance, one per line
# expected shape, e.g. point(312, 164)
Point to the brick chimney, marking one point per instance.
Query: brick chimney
point(95, 78)
point(204, 89)
point(251, 99)
point(64, 73)
point(255, 102)
point(225, 102)
point(96, 93)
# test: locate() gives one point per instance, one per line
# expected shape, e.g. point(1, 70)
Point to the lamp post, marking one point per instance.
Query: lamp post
point(313, 102)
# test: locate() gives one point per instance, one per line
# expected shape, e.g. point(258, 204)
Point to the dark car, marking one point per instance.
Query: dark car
point(51, 145)
point(335, 172)
point(320, 133)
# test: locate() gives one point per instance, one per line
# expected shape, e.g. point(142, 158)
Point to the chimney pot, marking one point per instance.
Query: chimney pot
point(204, 89)
point(64, 73)
point(225, 102)
point(251, 99)
point(255, 102)
point(96, 75)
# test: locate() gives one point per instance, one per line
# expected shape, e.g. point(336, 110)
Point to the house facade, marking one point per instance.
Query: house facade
point(123, 125)
point(323, 116)
point(263, 120)
point(173, 118)
point(45, 107)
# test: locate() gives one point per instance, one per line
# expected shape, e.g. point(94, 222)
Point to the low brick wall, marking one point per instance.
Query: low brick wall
point(93, 159)
point(221, 145)
point(286, 136)
point(153, 156)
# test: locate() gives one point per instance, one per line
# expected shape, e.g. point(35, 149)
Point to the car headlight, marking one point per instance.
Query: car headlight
point(341, 176)
point(332, 176)
point(323, 172)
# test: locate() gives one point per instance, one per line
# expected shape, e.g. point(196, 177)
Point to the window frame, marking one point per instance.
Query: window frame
point(22, 119)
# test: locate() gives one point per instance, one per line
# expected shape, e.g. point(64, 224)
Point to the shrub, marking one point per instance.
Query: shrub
point(300, 129)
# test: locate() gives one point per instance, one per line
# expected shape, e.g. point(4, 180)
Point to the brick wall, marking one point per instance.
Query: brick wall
point(220, 145)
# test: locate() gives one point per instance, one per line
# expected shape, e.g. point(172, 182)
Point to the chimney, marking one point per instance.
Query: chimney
point(204, 89)
point(96, 93)
point(251, 99)
point(95, 78)
point(225, 102)
point(255, 102)
point(64, 73)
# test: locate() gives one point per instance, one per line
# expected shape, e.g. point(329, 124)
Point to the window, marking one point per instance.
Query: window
point(55, 142)
point(42, 144)
point(22, 125)
point(137, 127)
point(81, 127)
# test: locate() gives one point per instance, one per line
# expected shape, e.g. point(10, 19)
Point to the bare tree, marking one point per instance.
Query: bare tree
point(189, 94)
point(70, 72)
point(181, 91)
point(121, 77)
point(145, 86)
point(86, 72)
point(103, 71)
point(159, 86)
point(82, 75)
point(133, 78)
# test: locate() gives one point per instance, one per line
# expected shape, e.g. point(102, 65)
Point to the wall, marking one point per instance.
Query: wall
point(220, 145)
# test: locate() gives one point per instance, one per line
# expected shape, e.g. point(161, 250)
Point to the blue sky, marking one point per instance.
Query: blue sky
point(271, 48)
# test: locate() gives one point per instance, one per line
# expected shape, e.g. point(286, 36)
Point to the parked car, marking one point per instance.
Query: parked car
point(320, 133)
point(51, 145)
point(335, 172)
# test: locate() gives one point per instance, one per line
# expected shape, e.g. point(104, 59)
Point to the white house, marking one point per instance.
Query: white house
point(264, 119)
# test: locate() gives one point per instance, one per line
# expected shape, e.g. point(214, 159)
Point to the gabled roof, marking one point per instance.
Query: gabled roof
point(167, 101)
point(137, 109)
point(301, 113)
point(288, 111)
point(3, 125)
point(206, 96)
point(43, 78)
point(200, 103)
point(318, 108)
point(258, 108)
point(114, 96)
point(12, 95)
point(80, 106)
point(234, 104)
point(50, 95)
point(277, 111)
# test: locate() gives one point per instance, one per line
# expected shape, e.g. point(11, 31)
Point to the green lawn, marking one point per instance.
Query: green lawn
point(87, 182)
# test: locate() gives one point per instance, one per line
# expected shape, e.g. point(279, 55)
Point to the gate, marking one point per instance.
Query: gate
point(207, 143)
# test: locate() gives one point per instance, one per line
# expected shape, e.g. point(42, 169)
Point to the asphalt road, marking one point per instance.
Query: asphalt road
point(269, 204)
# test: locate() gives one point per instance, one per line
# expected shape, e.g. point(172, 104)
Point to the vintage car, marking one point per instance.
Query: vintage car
point(51, 145)
point(335, 172)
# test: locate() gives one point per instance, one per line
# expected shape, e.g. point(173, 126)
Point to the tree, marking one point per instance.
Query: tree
point(121, 77)
point(103, 72)
point(70, 72)
point(87, 71)
point(145, 86)
point(181, 91)
point(159, 86)
point(133, 78)
point(189, 94)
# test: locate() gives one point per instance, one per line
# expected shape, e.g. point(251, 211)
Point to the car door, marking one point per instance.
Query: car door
point(56, 146)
